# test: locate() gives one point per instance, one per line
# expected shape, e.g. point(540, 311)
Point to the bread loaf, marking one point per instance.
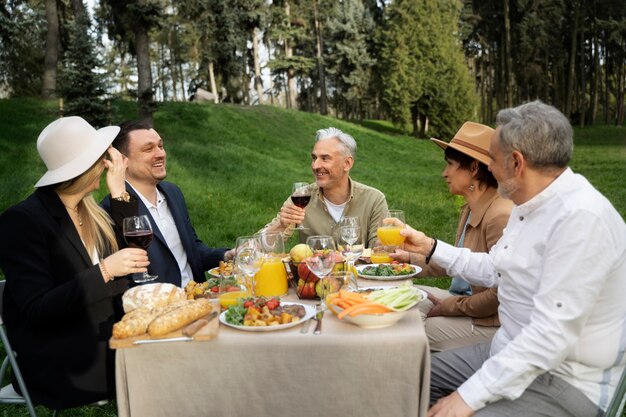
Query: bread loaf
point(151, 296)
point(133, 324)
point(179, 317)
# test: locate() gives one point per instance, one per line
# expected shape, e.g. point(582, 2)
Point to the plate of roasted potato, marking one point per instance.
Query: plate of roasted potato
point(256, 318)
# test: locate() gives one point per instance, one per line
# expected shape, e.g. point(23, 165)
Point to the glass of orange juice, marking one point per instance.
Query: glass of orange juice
point(380, 253)
point(389, 233)
point(233, 288)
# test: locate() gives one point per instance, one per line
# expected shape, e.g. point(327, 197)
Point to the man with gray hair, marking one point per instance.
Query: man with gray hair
point(560, 269)
point(334, 194)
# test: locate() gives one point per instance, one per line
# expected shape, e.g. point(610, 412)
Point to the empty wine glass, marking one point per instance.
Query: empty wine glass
point(322, 262)
point(138, 234)
point(300, 196)
point(351, 245)
point(248, 259)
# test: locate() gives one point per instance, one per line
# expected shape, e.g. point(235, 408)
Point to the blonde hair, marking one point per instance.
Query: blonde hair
point(97, 225)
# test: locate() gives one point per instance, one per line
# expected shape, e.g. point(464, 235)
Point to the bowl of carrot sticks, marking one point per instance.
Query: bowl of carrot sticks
point(380, 308)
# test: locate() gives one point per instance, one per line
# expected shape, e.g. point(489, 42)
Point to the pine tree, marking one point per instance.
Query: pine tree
point(426, 83)
point(81, 85)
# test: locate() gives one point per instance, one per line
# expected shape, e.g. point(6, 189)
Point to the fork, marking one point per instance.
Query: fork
point(318, 316)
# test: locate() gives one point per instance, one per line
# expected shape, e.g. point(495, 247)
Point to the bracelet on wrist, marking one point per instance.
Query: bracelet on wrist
point(105, 273)
point(432, 250)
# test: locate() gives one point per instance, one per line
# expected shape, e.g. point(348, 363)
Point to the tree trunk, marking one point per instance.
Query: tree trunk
point(144, 72)
point(620, 93)
point(172, 67)
point(291, 73)
point(181, 75)
point(53, 41)
point(508, 81)
point(320, 65)
point(78, 7)
point(258, 81)
point(583, 87)
point(571, 73)
point(595, 83)
point(212, 81)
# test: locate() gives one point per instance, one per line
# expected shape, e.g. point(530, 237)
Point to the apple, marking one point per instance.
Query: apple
point(300, 252)
point(325, 287)
point(306, 289)
point(305, 273)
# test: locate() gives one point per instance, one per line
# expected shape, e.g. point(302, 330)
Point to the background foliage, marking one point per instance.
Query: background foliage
point(424, 65)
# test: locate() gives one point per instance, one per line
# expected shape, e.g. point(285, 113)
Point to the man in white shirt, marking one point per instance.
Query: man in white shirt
point(560, 269)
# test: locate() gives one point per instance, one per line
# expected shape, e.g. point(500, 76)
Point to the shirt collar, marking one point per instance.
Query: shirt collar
point(159, 197)
point(555, 188)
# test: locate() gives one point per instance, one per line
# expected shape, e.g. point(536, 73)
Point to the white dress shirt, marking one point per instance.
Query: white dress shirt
point(560, 268)
point(164, 220)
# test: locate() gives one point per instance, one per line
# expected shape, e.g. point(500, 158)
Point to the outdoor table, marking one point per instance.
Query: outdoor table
point(345, 371)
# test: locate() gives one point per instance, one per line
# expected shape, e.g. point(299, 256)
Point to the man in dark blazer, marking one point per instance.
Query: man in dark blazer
point(176, 253)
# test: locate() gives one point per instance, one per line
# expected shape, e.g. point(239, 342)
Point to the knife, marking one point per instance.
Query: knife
point(318, 317)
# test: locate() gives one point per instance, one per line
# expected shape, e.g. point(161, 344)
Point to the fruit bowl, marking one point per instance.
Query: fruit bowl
point(302, 280)
point(371, 321)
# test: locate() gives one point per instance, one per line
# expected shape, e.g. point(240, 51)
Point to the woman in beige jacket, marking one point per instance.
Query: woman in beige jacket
point(465, 314)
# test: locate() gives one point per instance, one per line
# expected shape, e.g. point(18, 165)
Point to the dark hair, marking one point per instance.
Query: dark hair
point(483, 176)
point(121, 140)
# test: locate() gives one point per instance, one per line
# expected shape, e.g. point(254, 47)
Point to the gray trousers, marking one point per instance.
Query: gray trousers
point(546, 396)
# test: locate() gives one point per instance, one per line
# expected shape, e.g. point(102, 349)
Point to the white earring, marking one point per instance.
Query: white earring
point(472, 187)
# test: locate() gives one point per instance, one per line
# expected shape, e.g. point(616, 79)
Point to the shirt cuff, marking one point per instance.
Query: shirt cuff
point(444, 254)
point(474, 393)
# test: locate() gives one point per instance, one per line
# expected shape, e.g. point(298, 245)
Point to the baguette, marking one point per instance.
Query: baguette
point(179, 317)
point(133, 324)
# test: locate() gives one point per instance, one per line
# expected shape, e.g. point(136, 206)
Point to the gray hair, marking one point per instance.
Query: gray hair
point(346, 140)
point(539, 131)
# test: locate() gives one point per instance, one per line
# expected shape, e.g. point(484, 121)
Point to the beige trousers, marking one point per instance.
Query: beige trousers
point(450, 332)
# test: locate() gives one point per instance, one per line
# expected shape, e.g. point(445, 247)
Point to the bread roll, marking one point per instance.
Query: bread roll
point(179, 317)
point(151, 296)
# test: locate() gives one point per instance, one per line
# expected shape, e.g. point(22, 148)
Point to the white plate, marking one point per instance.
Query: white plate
point(215, 273)
point(360, 268)
point(309, 312)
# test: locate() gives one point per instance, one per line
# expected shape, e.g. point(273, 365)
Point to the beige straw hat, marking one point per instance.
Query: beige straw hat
point(472, 139)
point(69, 146)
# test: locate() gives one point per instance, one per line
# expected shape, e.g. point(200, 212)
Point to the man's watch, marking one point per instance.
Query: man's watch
point(125, 197)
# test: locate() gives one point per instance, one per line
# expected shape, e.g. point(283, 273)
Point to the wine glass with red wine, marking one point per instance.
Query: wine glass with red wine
point(300, 196)
point(138, 234)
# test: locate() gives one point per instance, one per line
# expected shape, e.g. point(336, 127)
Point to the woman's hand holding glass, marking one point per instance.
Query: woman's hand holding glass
point(138, 234)
point(125, 262)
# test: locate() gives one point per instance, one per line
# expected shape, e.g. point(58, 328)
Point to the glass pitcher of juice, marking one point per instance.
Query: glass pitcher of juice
point(271, 280)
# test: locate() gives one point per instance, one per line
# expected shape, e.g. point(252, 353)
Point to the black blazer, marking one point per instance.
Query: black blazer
point(162, 260)
point(58, 310)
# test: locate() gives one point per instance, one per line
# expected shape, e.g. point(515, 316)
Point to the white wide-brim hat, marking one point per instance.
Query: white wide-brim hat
point(69, 146)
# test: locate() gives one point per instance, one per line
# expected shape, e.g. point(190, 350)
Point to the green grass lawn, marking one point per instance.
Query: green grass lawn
point(236, 166)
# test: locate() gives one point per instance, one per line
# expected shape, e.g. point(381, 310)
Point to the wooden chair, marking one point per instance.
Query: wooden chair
point(7, 394)
point(616, 406)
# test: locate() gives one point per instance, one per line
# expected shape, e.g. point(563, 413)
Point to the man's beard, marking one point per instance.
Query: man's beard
point(508, 187)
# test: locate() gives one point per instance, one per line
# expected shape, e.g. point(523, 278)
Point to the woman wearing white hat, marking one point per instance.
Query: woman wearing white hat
point(59, 253)
point(465, 314)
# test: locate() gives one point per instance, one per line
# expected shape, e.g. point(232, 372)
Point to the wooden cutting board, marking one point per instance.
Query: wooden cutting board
point(207, 332)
